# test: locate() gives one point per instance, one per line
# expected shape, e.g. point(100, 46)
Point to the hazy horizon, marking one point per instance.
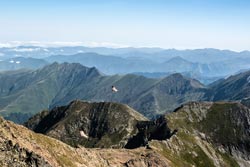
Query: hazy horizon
point(57, 44)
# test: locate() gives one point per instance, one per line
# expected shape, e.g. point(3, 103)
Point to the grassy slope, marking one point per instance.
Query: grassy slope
point(189, 146)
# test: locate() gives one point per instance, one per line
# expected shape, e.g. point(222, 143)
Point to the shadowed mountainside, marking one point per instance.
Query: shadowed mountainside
point(103, 125)
point(235, 87)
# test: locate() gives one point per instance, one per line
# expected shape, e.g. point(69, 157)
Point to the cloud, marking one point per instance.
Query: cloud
point(5, 45)
point(26, 49)
point(14, 44)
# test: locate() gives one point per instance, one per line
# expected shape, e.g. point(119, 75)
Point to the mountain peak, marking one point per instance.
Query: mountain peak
point(180, 79)
point(107, 124)
point(177, 59)
point(71, 67)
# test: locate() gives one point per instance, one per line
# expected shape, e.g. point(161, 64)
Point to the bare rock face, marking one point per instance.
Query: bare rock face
point(149, 130)
point(14, 155)
point(146, 160)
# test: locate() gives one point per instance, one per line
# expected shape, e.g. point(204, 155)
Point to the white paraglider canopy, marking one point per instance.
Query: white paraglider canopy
point(114, 89)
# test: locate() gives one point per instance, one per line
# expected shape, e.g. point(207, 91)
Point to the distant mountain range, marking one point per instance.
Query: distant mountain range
point(119, 65)
point(199, 62)
point(207, 55)
point(28, 92)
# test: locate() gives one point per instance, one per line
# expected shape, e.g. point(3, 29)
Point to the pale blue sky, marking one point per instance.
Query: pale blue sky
point(181, 24)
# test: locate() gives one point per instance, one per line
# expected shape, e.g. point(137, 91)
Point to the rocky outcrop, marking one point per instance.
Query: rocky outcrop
point(14, 155)
point(149, 130)
point(21, 147)
point(146, 160)
point(102, 125)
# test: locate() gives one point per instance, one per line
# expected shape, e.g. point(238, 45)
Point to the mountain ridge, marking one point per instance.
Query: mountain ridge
point(199, 134)
point(59, 84)
point(102, 125)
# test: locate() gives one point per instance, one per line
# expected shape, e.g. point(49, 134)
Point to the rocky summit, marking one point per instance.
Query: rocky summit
point(102, 125)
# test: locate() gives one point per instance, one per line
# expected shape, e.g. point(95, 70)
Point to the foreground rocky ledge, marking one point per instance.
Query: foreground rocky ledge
point(22, 147)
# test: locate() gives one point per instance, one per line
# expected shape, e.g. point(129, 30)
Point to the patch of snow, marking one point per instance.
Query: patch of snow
point(18, 62)
point(83, 134)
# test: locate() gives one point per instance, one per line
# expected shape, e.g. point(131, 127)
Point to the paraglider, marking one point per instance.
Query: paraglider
point(114, 89)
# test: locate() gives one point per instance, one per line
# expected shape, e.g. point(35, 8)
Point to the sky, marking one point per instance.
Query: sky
point(180, 24)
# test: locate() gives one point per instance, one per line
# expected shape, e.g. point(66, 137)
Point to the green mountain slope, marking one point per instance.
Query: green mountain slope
point(24, 93)
point(235, 87)
point(32, 91)
point(59, 84)
point(208, 134)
